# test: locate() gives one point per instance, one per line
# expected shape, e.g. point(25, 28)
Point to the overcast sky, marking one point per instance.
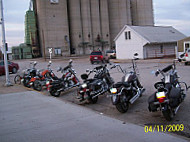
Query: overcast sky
point(174, 13)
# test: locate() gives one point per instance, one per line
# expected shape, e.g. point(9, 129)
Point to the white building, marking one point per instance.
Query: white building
point(147, 41)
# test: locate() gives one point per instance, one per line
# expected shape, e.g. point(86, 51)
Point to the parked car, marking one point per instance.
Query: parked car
point(98, 56)
point(13, 67)
point(111, 54)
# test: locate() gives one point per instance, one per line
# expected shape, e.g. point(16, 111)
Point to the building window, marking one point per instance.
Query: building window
point(57, 51)
point(127, 35)
point(161, 49)
point(186, 46)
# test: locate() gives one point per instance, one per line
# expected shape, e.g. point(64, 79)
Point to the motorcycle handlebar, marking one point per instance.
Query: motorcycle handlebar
point(166, 69)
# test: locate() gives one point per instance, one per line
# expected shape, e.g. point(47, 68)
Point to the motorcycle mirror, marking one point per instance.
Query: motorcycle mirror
point(87, 70)
point(70, 61)
point(35, 63)
point(157, 73)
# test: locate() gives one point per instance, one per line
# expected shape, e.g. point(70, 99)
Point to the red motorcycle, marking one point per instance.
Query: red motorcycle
point(42, 77)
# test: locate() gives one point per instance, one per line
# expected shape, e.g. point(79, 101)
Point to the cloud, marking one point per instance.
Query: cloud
point(181, 25)
point(173, 13)
point(14, 27)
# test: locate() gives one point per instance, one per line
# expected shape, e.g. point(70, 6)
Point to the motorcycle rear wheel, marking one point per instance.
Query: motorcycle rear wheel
point(122, 107)
point(54, 92)
point(93, 100)
point(37, 85)
point(168, 114)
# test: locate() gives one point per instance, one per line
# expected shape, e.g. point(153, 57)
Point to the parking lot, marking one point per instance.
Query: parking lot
point(138, 113)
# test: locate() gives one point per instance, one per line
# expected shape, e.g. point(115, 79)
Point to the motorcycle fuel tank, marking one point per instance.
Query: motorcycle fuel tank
point(129, 77)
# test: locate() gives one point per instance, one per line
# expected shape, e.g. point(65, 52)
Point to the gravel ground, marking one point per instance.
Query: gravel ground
point(138, 112)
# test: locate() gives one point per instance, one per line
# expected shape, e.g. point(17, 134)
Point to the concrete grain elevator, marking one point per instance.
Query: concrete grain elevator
point(81, 26)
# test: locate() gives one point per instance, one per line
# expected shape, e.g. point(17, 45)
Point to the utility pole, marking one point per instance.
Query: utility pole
point(8, 83)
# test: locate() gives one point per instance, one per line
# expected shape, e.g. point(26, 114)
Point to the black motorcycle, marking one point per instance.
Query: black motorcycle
point(91, 88)
point(170, 93)
point(27, 75)
point(66, 82)
point(128, 90)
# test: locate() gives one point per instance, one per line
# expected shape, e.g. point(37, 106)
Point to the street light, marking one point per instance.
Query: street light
point(8, 83)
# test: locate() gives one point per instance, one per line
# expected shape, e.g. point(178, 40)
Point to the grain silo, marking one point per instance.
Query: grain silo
point(142, 12)
point(99, 24)
point(119, 15)
point(80, 26)
point(75, 26)
point(104, 25)
point(53, 26)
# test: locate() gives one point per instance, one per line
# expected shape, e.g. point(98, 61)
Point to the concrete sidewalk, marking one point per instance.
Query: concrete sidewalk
point(33, 117)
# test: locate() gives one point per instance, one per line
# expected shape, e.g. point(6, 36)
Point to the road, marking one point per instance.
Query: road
point(33, 117)
point(138, 113)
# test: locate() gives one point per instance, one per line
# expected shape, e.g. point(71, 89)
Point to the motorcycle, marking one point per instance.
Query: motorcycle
point(91, 88)
point(27, 77)
point(170, 93)
point(67, 81)
point(128, 90)
point(42, 77)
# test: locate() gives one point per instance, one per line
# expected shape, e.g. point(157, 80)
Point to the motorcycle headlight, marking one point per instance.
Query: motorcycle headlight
point(113, 90)
point(160, 95)
point(84, 85)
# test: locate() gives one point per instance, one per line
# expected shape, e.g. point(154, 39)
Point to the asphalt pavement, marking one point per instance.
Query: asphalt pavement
point(32, 117)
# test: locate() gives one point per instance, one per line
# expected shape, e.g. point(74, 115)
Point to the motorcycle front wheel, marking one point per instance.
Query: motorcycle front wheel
point(54, 92)
point(17, 79)
point(26, 82)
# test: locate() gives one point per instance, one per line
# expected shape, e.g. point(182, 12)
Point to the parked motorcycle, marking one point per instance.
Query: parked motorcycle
point(91, 88)
point(27, 77)
point(128, 90)
point(67, 81)
point(170, 93)
point(42, 77)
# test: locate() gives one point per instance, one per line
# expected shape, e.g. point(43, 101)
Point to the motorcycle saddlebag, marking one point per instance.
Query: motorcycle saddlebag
point(174, 97)
point(152, 107)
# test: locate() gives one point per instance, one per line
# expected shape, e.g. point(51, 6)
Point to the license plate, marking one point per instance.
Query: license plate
point(95, 57)
point(114, 97)
point(160, 95)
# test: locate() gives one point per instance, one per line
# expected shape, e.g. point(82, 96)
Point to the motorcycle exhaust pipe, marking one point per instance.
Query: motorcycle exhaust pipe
point(98, 94)
point(132, 100)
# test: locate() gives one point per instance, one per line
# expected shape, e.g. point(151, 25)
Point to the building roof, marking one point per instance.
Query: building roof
point(156, 34)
